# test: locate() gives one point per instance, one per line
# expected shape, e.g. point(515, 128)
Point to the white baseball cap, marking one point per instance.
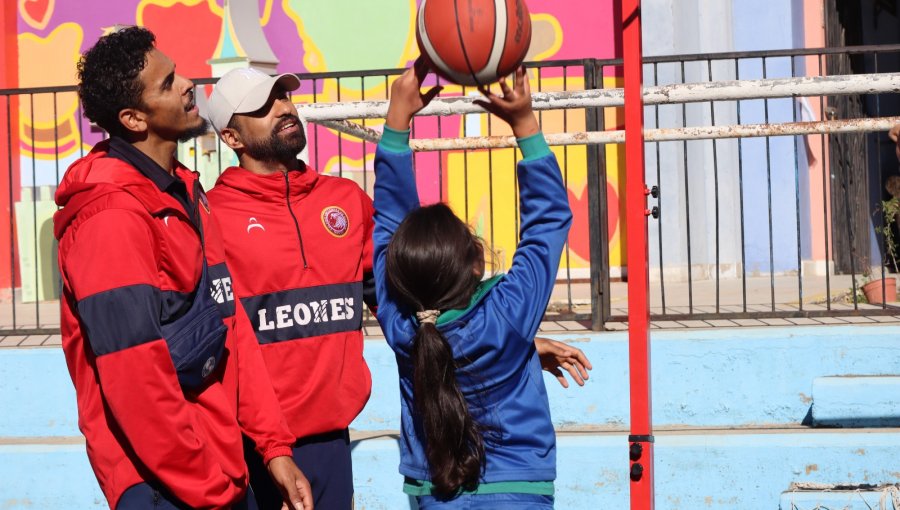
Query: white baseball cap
point(243, 91)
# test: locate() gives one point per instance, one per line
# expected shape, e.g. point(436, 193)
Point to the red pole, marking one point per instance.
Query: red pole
point(641, 439)
point(9, 147)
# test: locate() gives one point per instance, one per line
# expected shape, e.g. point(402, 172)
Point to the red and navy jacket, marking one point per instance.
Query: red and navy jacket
point(131, 237)
point(299, 246)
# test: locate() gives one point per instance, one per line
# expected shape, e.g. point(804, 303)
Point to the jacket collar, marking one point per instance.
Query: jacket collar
point(270, 188)
point(480, 292)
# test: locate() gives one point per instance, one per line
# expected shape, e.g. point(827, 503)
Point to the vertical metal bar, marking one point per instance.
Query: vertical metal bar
point(12, 208)
point(466, 167)
point(687, 202)
point(737, 76)
point(565, 170)
point(365, 174)
point(797, 198)
point(598, 203)
point(826, 198)
point(880, 196)
point(317, 166)
point(80, 117)
point(491, 190)
point(659, 200)
point(641, 436)
point(34, 199)
point(340, 135)
point(712, 112)
point(440, 154)
point(53, 267)
point(769, 193)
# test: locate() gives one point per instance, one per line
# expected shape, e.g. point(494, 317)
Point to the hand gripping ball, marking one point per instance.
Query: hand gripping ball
point(473, 42)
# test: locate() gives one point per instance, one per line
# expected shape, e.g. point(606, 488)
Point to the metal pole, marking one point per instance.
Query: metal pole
point(641, 438)
point(875, 83)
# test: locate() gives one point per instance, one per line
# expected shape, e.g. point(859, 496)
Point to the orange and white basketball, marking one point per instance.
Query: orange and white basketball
point(473, 42)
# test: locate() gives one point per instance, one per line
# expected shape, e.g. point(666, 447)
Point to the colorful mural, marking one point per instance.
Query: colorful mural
point(318, 36)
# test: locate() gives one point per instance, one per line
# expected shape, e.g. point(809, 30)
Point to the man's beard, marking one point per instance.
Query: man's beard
point(194, 132)
point(276, 147)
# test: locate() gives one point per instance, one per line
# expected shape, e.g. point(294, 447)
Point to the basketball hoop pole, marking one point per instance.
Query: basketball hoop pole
point(640, 442)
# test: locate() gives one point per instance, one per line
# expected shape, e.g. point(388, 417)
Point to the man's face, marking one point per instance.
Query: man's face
point(274, 132)
point(168, 99)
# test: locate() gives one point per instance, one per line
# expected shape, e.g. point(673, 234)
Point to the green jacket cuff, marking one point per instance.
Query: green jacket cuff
point(534, 146)
point(394, 141)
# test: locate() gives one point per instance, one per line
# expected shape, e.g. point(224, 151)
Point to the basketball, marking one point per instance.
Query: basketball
point(473, 42)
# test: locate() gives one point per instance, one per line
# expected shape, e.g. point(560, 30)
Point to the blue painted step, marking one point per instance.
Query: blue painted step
point(862, 498)
point(856, 401)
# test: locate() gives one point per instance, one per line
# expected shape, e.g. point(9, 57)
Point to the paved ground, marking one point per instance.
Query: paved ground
point(724, 304)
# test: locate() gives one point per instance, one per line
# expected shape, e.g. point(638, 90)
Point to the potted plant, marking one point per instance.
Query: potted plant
point(883, 290)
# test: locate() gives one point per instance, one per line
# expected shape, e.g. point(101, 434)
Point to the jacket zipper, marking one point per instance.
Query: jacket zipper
point(287, 196)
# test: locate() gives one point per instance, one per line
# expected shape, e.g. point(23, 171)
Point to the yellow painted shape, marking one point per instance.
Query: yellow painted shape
point(544, 19)
point(213, 7)
point(313, 60)
point(53, 62)
point(267, 13)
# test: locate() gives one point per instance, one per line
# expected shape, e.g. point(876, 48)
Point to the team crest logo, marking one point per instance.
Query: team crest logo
point(336, 221)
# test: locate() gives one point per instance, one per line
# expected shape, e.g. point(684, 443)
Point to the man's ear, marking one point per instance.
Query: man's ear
point(232, 138)
point(133, 120)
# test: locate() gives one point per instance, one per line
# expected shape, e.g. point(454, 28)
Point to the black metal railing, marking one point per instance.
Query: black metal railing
point(749, 229)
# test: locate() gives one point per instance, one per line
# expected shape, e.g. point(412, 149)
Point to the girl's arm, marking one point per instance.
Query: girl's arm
point(395, 183)
point(545, 214)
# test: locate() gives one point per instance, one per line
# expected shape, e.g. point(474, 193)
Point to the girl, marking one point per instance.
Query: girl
point(476, 429)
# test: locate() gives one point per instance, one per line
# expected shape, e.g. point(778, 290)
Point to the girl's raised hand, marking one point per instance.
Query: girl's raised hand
point(514, 106)
point(407, 98)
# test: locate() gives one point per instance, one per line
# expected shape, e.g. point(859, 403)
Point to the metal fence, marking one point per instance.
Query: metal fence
point(746, 228)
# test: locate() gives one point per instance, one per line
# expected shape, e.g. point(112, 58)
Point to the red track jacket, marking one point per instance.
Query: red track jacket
point(298, 245)
point(129, 255)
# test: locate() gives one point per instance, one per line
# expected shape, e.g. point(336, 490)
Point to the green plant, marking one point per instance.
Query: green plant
point(889, 210)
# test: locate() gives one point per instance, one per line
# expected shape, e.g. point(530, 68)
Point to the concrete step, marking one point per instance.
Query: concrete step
point(860, 497)
point(856, 401)
point(711, 469)
point(713, 378)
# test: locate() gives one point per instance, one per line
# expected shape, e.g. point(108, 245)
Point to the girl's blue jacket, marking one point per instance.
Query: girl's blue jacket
point(501, 375)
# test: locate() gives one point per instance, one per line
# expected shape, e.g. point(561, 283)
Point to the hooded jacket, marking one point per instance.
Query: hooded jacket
point(492, 339)
point(299, 246)
point(130, 259)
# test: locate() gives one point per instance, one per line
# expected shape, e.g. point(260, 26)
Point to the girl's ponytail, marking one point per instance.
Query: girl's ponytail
point(453, 442)
point(433, 263)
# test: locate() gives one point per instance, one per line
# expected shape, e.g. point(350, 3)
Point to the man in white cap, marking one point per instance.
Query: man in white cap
point(299, 248)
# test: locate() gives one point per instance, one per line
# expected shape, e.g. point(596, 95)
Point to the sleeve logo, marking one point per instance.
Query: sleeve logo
point(336, 221)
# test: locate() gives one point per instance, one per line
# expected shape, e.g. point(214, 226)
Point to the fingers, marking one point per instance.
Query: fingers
point(522, 78)
point(894, 133)
point(306, 499)
point(420, 67)
point(504, 87)
point(488, 106)
point(579, 356)
point(577, 375)
point(431, 94)
point(560, 377)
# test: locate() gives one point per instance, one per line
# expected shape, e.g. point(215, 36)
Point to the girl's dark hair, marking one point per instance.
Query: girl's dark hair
point(108, 76)
point(434, 263)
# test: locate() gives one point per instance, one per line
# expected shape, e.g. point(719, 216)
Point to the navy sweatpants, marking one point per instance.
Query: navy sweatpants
point(324, 459)
point(144, 497)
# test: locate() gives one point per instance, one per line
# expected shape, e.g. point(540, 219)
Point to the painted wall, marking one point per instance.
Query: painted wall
point(311, 36)
point(774, 172)
point(728, 409)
